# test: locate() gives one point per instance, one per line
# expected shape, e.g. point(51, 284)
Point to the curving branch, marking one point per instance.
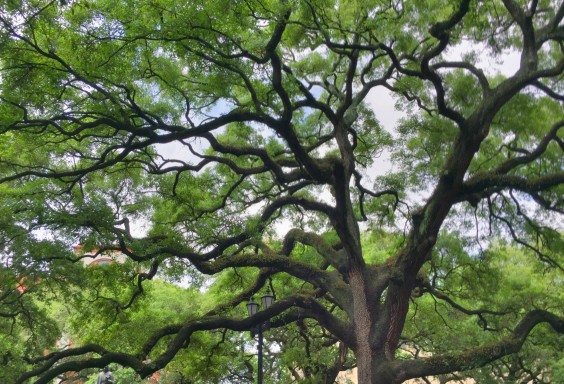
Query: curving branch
point(265, 86)
point(441, 31)
point(278, 263)
point(324, 249)
point(552, 135)
point(77, 359)
point(547, 90)
point(477, 72)
point(365, 191)
point(484, 185)
point(509, 225)
point(471, 312)
point(478, 356)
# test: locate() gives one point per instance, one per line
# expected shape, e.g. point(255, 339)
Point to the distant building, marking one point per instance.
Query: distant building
point(95, 257)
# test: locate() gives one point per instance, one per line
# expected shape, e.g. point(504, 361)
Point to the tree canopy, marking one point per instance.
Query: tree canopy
point(235, 146)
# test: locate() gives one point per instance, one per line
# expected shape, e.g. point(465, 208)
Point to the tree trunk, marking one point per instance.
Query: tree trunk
point(373, 368)
point(371, 360)
point(362, 325)
point(375, 345)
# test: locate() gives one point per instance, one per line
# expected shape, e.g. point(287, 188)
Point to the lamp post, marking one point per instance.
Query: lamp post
point(252, 308)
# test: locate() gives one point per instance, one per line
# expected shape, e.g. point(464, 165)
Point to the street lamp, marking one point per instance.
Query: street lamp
point(252, 308)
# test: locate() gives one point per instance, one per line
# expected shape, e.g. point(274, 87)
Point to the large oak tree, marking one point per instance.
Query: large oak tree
point(210, 136)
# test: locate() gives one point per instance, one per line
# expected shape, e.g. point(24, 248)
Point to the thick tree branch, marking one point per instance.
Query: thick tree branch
point(479, 356)
point(324, 249)
point(486, 184)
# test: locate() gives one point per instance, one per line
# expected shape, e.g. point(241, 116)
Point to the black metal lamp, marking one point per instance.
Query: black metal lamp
point(252, 307)
point(267, 300)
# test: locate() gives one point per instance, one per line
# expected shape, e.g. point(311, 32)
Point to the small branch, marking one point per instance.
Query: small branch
point(482, 79)
point(476, 312)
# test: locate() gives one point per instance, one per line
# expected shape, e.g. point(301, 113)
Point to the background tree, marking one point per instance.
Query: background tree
point(206, 137)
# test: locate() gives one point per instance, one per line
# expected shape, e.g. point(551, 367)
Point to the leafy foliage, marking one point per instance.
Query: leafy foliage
point(233, 147)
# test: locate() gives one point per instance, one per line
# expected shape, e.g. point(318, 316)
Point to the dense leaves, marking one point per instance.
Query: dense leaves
point(235, 147)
